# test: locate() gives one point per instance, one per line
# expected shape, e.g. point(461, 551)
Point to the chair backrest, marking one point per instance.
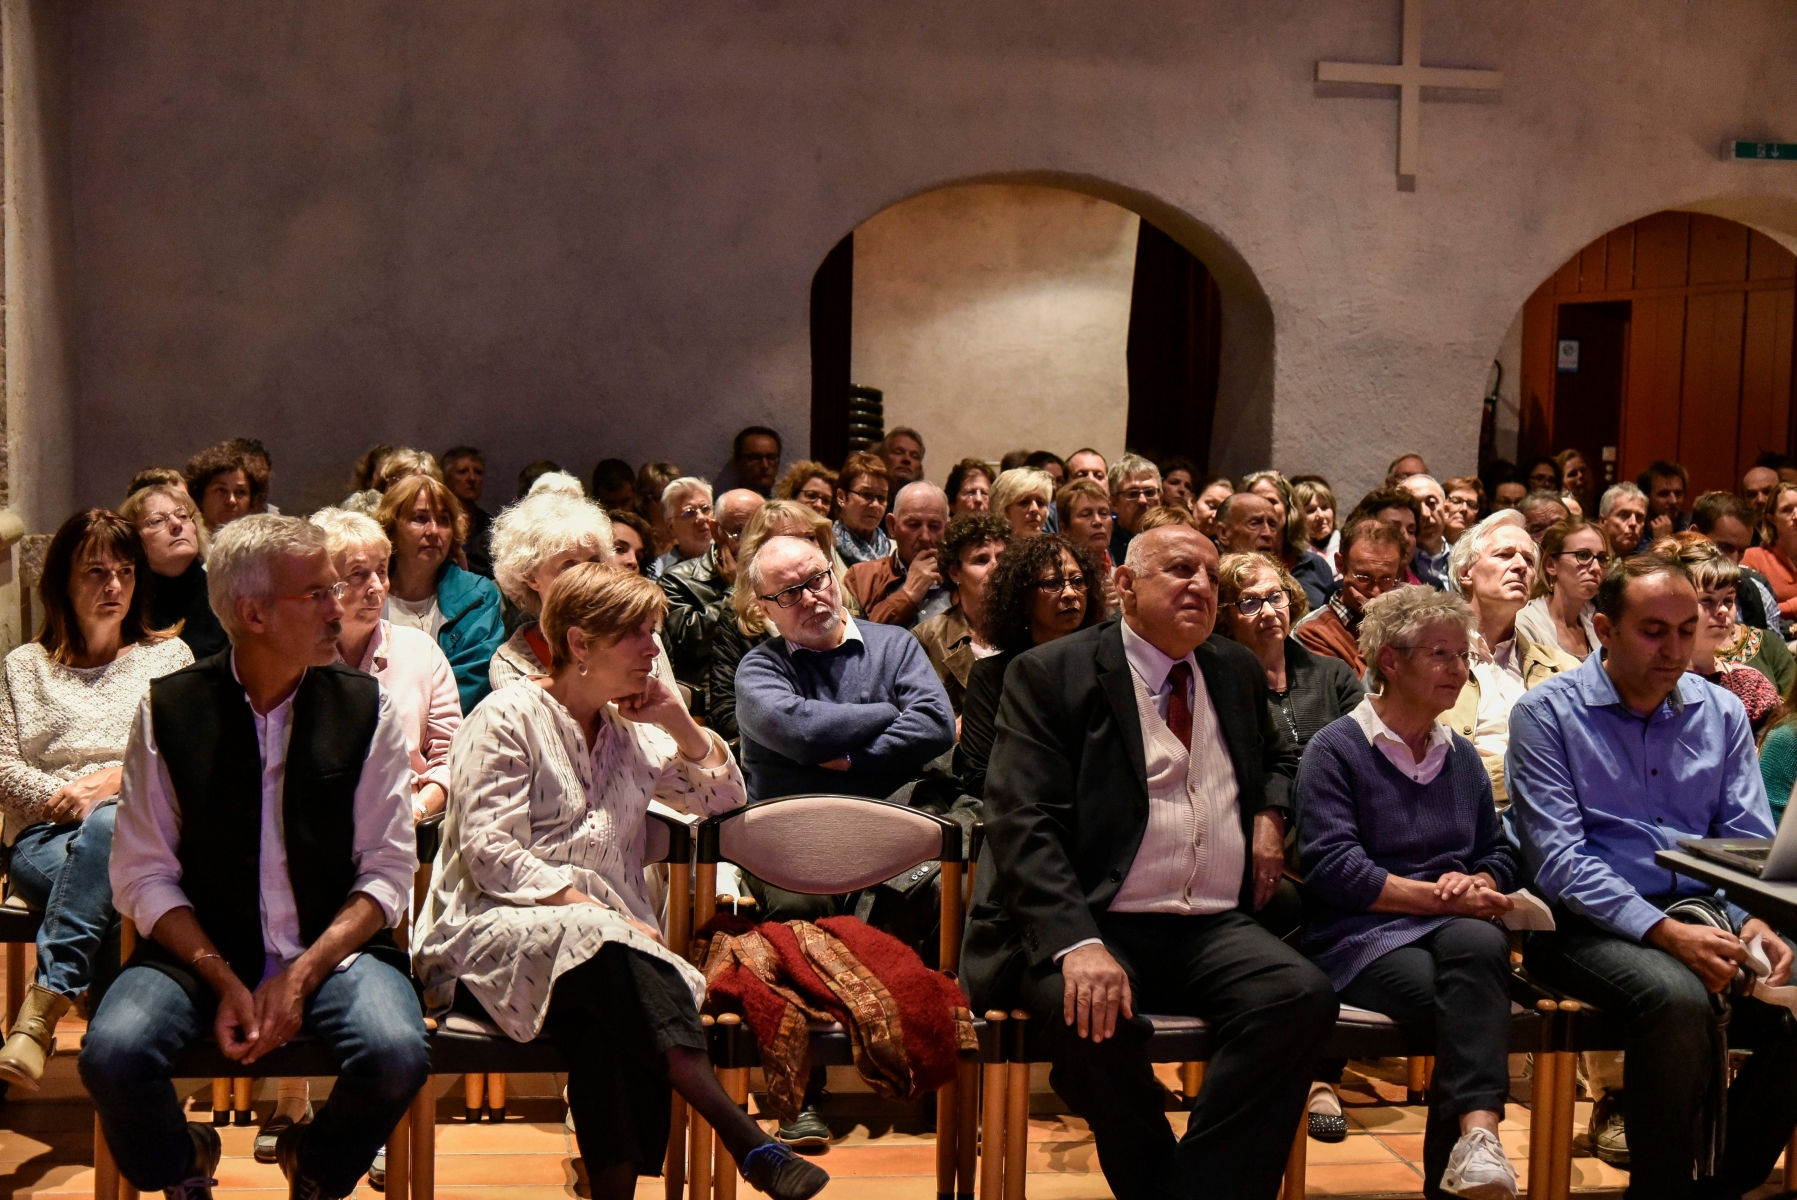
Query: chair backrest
point(666, 839)
point(824, 845)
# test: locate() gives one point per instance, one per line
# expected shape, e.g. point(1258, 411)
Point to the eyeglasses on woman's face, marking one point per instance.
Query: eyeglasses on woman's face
point(817, 585)
point(174, 522)
point(1054, 585)
point(1439, 657)
point(1250, 606)
point(1585, 558)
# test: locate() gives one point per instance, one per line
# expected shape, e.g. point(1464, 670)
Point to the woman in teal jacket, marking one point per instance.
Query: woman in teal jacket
point(428, 591)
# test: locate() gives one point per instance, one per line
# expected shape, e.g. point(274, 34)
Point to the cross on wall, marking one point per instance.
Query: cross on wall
point(1410, 77)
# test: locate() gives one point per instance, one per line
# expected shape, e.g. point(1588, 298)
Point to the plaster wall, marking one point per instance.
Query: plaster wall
point(559, 227)
point(996, 318)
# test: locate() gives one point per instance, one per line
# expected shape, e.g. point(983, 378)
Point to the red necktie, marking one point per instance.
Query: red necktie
point(1179, 704)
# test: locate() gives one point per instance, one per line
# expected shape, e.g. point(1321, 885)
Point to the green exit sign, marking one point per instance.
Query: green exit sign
point(1760, 151)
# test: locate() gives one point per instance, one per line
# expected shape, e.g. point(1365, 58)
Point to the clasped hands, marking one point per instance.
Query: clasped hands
point(1463, 895)
point(1715, 955)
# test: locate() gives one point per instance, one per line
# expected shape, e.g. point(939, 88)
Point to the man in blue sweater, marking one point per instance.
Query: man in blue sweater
point(838, 706)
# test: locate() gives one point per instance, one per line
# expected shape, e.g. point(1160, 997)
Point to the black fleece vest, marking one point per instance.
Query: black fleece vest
point(206, 733)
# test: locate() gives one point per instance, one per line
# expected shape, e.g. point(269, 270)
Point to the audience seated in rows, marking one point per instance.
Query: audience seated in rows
point(282, 934)
point(67, 701)
point(537, 918)
point(1608, 764)
point(956, 639)
point(907, 585)
point(425, 524)
point(1043, 589)
point(1371, 563)
point(1405, 864)
point(1574, 555)
point(696, 589)
point(1088, 932)
point(175, 543)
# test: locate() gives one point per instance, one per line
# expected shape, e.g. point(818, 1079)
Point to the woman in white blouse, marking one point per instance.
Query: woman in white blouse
point(66, 705)
point(408, 662)
point(537, 918)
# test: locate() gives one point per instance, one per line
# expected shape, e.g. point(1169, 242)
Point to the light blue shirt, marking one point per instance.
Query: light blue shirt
point(1598, 790)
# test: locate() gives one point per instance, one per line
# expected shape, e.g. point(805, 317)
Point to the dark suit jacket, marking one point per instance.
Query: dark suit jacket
point(1067, 795)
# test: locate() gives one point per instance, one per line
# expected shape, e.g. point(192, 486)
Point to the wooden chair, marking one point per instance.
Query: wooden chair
point(830, 845)
point(19, 922)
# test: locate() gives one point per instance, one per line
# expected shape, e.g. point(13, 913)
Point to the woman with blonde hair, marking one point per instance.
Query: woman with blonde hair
point(425, 524)
point(1023, 496)
point(175, 543)
point(537, 918)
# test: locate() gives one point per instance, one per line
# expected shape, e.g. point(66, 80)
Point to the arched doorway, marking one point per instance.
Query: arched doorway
point(1024, 314)
point(1667, 338)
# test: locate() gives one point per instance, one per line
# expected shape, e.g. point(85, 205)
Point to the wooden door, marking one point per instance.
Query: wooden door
point(1589, 381)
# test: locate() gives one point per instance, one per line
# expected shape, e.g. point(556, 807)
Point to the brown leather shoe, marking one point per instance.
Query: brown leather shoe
point(33, 1038)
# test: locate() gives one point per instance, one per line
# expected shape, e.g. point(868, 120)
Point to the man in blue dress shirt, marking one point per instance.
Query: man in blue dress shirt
point(1608, 764)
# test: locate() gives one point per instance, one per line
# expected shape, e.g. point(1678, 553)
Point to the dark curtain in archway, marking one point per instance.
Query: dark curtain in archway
point(832, 320)
point(1175, 333)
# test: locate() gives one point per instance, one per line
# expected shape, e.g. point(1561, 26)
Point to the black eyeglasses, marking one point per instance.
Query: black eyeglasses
point(1586, 557)
point(1058, 584)
point(816, 585)
point(1249, 606)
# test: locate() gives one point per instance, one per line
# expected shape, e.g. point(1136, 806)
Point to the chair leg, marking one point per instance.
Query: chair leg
point(240, 1100)
point(698, 1157)
point(474, 1096)
point(1791, 1163)
point(1541, 1126)
point(1565, 1093)
point(424, 1145)
point(1191, 1079)
point(967, 1130)
point(221, 1100)
point(15, 982)
point(948, 1123)
point(106, 1171)
point(673, 1167)
point(1017, 1110)
point(992, 1120)
point(496, 1099)
point(1296, 1162)
point(736, 1086)
point(1417, 1069)
point(399, 1156)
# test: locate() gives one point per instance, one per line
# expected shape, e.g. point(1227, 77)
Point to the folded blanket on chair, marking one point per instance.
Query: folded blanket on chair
point(906, 1023)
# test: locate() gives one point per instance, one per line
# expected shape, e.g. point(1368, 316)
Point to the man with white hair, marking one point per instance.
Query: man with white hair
point(264, 850)
point(1623, 514)
point(1431, 561)
point(904, 587)
point(1493, 566)
point(1135, 485)
point(686, 503)
point(698, 592)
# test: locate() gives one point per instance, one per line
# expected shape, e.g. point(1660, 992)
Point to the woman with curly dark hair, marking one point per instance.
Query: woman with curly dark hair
point(1044, 587)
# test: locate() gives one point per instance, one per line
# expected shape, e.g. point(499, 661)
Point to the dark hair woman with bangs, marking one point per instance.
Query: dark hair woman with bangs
point(1045, 587)
point(68, 701)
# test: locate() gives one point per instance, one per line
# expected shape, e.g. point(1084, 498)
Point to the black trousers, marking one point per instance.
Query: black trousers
point(1272, 1010)
point(1452, 989)
point(614, 1018)
point(1669, 1023)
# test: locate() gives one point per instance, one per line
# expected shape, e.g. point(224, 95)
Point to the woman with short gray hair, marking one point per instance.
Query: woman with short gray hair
point(1406, 869)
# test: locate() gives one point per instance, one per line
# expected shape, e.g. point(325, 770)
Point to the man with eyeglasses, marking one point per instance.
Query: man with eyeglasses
point(754, 461)
point(1135, 485)
point(264, 850)
point(907, 585)
point(836, 706)
point(1493, 567)
point(698, 592)
point(1371, 562)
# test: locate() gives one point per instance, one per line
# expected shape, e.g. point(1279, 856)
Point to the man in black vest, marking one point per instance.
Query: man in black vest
point(265, 851)
point(1135, 813)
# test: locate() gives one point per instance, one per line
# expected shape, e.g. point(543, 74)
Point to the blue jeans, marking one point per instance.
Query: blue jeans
point(62, 869)
point(368, 1015)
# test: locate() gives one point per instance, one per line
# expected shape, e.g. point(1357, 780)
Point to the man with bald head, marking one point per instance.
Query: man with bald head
point(1756, 494)
point(698, 591)
point(1135, 814)
point(1431, 560)
point(1248, 523)
point(907, 585)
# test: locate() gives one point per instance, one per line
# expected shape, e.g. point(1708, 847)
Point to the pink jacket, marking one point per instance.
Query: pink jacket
point(418, 679)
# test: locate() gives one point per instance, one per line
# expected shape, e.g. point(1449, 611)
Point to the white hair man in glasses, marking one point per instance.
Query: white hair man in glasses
point(264, 850)
point(833, 705)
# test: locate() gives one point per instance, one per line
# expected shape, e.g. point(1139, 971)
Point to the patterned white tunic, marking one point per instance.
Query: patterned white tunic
point(531, 811)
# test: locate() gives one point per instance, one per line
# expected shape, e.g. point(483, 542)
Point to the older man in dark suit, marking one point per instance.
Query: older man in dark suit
point(1136, 806)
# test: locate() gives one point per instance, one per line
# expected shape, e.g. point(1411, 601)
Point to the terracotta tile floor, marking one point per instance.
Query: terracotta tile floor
point(46, 1143)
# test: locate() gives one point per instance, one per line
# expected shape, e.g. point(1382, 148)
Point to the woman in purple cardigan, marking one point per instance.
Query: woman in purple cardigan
point(1405, 870)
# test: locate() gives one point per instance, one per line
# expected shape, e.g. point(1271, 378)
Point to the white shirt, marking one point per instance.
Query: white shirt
point(424, 615)
point(1397, 750)
point(146, 874)
point(1193, 851)
point(1499, 672)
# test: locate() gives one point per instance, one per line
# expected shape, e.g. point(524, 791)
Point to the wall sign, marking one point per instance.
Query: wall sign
point(1566, 358)
point(1734, 151)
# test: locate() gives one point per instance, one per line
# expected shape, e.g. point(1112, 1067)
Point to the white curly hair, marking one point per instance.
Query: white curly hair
point(537, 528)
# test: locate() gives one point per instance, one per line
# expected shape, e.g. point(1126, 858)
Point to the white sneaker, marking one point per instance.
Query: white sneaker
point(1478, 1170)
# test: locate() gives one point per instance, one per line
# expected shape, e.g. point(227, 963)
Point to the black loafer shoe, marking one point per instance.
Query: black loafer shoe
point(777, 1171)
point(1328, 1127)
